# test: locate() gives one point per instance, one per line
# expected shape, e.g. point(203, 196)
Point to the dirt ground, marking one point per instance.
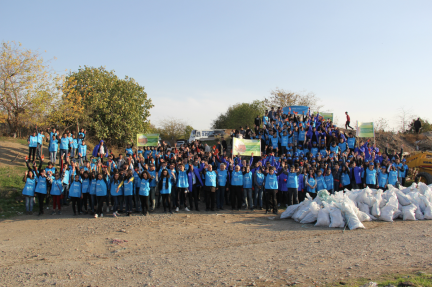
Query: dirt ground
point(231, 248)
point(226, 248)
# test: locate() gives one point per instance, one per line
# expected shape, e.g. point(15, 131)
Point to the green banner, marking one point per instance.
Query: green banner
point(365, 130)
point(327, 116)
point(247, 147)
point(147, 139)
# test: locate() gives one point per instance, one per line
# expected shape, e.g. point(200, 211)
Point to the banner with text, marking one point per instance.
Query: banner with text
point(296, 110)
point(365, 130)
point(147, 139)
point(247, 147)
point(326, 116)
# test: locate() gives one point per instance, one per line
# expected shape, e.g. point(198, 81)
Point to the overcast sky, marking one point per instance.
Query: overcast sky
point(196, 58)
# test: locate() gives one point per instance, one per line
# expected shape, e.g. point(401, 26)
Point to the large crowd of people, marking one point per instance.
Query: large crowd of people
point(300, 154)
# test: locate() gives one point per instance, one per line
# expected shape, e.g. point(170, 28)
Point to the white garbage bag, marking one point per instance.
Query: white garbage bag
point(402, 198)
point(409, 212)
point(350, 215)
point(312, 215)
point(336, 218)
point(323, 216)
point(302, 210)
point(428, 209)
point(290, 211)
point(389, 209)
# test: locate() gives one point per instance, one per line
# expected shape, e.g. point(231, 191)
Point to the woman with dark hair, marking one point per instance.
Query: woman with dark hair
point(165, 189)
point(144, 191)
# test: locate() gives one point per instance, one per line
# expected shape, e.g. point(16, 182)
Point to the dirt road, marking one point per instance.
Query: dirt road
point(183, 249)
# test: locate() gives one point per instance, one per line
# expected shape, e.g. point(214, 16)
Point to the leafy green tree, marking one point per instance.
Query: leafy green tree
point(239, 115)
point(114, 109)
point(187, 132)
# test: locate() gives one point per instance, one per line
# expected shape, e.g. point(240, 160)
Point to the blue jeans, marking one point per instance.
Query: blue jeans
point(63, 152)
point(116, 203)
point(247, 194)
point(220, 197)
point(128, 199)
point(258, 196)
point(53, 155)
point(29, 201)
point(65, 193)
point(93, 201)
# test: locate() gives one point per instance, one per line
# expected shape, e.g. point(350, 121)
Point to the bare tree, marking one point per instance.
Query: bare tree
point(283, 98)
point(171, 129)
point(403, 119)
point(381, 125)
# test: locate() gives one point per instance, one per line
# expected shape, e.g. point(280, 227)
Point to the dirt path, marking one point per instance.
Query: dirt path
point(12, 153)
point(239, 248)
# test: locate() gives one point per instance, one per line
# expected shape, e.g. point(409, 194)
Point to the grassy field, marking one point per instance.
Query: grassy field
point(11, 185)
point(417, 279)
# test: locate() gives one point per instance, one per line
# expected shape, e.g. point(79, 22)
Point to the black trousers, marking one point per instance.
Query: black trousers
point(181, 194)
point(166, 201)
point(236, 195)
point(292, 196)
point(271, 199)
point(86, 198)
point(41, 199)
point(76, 201)
point(144, 204)
point(32, 150)
point(194, 196)
point(100, 201)
point(211, 197)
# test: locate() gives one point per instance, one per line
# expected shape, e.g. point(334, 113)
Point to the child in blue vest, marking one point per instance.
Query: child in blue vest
point(75, 193)
point(271, 187)
point(165, 189)
point(32, 142)
point(29, 189)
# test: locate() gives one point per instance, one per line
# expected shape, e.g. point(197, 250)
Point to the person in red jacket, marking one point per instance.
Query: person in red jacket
point(347, 124)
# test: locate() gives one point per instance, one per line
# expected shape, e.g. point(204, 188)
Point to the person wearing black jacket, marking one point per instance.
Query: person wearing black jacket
point(417, 126)
point(258, 121)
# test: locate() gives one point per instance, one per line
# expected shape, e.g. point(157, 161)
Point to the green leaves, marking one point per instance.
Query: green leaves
point(116, 109)
point(239, 115)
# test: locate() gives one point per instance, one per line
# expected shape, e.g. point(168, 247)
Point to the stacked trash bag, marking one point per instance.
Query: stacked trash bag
point(350, 208)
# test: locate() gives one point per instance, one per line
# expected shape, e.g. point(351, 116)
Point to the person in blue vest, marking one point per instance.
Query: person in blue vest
point(404, 173)
point(329, 181)
point(382, 178)
point(370, 176)
point(56, 192)
point(29, 189)
point(82, 152)
point(271, 188)
point(393, 176)
point(116, 190)
point(53, 147)
point(351, 141)
point(258, 183)
point(101, 194)
point(222, 186)
point(320, 180)
point(182, 185)
point(345, 178)
point(33, 143)
point(64, 146)
point(247, 187)
point(165, 183)
point(73, 147)
point(210, 181)
point(311, 184)
point(41, 189)
point(236, 188)
point(75, 193)
point(85, 191)
point(144, 191)
point(40, 137)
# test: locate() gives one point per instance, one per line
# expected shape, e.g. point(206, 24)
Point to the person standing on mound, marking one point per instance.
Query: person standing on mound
point(348, 121)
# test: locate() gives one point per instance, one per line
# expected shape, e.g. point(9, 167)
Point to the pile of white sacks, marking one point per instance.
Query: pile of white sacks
point(358, 205)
